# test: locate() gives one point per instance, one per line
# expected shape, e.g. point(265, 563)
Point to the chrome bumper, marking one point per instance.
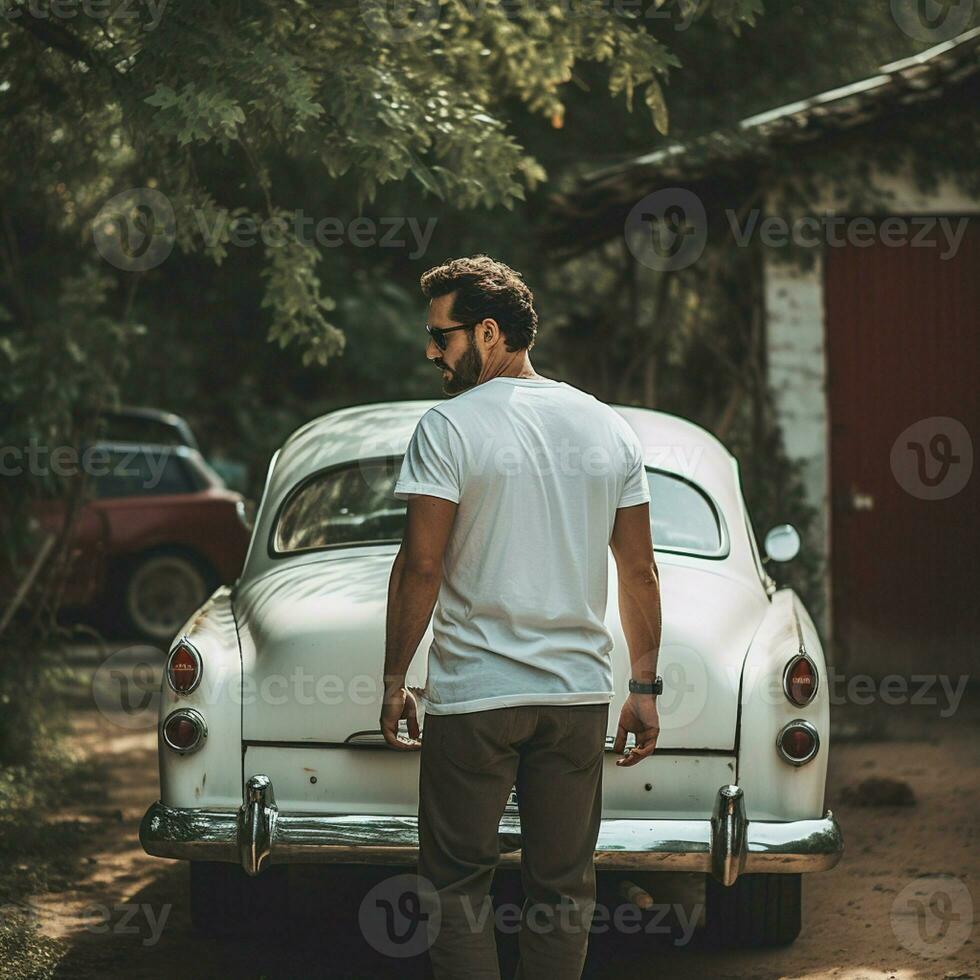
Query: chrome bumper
point(257, 834)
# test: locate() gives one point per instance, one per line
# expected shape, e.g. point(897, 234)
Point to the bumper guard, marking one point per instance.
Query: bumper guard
point(257, 835)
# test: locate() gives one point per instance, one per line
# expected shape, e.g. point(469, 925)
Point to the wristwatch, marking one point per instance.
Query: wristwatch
point(647, 687)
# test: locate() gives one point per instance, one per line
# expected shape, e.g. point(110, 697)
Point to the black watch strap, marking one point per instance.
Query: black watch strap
point(647, 687)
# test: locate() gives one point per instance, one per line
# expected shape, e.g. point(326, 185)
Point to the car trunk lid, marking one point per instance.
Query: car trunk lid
point(313, 639)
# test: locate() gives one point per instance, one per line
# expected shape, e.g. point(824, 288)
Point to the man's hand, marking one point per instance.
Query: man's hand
point(641, 717)
point(399, 702)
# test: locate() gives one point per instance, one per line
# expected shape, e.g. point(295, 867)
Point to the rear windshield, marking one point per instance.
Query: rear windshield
point(355, 504)
point(142, 472)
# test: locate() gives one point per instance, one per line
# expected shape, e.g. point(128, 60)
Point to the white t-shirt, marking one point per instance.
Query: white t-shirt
point(538, 469)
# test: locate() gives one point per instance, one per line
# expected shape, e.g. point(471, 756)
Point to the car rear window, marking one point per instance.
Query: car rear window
point(355, 504)
point(142, 472)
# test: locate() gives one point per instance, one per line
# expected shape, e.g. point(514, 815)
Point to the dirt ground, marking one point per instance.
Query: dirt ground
point(899, 905)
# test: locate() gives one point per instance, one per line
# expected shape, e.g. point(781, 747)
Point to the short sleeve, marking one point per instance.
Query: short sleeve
point(433, 462)
point(636, 489)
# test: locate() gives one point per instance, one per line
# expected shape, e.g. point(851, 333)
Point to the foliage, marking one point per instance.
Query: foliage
point(232, 115)
point(415, 95)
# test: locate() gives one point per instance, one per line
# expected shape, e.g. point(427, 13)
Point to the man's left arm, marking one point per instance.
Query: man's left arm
point(412, 591)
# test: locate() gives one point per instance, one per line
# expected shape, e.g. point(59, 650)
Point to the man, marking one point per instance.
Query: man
point(516, 488)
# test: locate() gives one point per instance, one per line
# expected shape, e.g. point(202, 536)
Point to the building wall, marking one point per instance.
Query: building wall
point(795, 326)
point(797, 375)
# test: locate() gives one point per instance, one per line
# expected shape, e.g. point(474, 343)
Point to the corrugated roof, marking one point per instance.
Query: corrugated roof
point(923, 77)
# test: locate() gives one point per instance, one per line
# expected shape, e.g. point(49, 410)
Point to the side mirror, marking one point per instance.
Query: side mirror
point(782, 543)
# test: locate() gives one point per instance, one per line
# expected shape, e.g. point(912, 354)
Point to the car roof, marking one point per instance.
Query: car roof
point(190, 454)
point(171, 420)
point(358, 432)
point(129, 446)
point(384, 429)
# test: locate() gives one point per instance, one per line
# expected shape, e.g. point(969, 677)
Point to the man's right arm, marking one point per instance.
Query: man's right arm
point(639, 588)
point(639, 610)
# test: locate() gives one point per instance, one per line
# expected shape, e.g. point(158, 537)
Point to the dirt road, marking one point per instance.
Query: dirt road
point(900, 905)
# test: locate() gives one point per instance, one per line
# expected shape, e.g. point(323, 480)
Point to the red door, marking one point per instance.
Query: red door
point(903, 374)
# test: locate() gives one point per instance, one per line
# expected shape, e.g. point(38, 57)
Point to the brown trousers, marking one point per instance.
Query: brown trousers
point(469, 763)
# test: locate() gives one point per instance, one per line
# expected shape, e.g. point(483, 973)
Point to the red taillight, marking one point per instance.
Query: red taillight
point(800, 680)
point(798, 742)
point(184, 668)
point(184, 730)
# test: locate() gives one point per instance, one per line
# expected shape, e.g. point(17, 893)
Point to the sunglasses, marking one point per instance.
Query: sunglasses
point(438, 334)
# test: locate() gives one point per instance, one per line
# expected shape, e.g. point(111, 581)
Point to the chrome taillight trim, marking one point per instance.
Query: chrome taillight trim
point(798, 723)
point(245, 509)
point(196, 719)
point(195, 653)
point(790, 664)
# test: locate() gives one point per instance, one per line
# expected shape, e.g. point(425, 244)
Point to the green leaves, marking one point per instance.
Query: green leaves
point(196, 116)
point(223, 105)
point(292, 294)
point(654, 96)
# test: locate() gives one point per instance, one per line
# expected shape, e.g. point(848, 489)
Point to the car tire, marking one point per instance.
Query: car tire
point(226, 902)
point(758, 910)
point(141, 587)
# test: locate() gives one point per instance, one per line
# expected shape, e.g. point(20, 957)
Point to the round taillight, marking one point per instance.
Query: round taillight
point(184, 730)
point(184, 668)
point(798, 742)
point(800, 680)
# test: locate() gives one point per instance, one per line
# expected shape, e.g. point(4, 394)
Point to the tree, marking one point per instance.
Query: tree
point(141, 138)
point(157, 93)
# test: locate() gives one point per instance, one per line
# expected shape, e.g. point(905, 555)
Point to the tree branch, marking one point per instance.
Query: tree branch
point(55, 36)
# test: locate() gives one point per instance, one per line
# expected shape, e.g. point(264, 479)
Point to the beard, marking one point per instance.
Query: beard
point(466, 373)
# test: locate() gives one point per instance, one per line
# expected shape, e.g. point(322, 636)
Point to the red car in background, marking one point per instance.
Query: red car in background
point(160, 533)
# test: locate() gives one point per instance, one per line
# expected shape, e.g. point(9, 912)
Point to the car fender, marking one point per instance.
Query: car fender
point(212, 774)
point(775, 789)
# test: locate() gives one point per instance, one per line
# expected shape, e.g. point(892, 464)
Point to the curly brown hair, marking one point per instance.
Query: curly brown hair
point(485, 288)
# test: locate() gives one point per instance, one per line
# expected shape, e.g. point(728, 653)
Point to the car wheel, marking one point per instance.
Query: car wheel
point(225, 901)
point(758, 910)
point(159, 591)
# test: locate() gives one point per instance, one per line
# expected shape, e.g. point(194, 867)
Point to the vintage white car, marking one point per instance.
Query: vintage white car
point(270, 751)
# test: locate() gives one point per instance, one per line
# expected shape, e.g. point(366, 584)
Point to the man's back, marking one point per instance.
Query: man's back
point(538, 469)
